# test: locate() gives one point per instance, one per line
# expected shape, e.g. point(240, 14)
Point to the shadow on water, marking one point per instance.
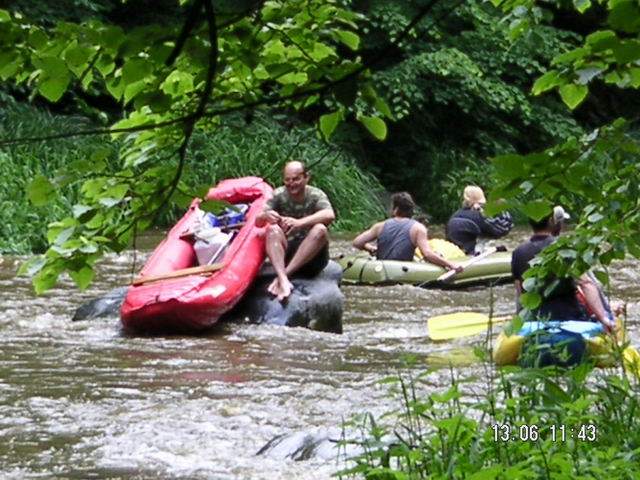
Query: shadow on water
point(83, 400)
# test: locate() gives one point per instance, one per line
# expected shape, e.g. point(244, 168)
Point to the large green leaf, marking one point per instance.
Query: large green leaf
point(54, 77)
point(350, 39)
point(537, 210)
point(135, 70)
point(295, 78)
point(40, 191)
point(602, 40)
point(625, 16)
point(627, 51)
point(582, 5)
point(546, 82)
point(573, 95)
point(329, 122)
point(82, 277)
point(375, 126)
point(177, 83)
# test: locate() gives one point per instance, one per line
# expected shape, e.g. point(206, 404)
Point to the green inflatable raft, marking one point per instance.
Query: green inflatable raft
point(364, 269)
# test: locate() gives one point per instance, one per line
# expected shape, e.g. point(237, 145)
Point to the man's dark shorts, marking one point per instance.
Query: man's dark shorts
point(314, 266)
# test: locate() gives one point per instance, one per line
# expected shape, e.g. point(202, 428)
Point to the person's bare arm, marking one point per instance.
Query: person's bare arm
point(421, 240)
point(268, 215)
point(518, 285)
point(325, 216)
point(593, 300)
point(361, 242)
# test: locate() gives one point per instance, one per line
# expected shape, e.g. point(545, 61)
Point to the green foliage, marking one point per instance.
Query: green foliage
point(528, 424)
point(596, 178)
point(596, 175)
point(458, 90)
point(610, 55)
point(30, 204)
point(172, 80)
point(26, 171)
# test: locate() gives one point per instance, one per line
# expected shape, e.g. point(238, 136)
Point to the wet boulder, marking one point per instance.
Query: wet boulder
point(315, 303)
point(105, 306)
point(317, 444)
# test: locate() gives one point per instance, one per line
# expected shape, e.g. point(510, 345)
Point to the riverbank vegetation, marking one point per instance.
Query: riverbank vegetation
point(443, 85)
point(513, 423)
point(238, 149)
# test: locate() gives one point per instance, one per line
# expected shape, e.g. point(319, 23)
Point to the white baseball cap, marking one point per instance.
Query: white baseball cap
point(559, 215)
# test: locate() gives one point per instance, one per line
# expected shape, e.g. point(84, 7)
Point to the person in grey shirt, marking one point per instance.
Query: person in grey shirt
point(398, 237)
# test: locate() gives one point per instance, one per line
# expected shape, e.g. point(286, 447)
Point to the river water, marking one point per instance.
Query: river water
point(82, 400)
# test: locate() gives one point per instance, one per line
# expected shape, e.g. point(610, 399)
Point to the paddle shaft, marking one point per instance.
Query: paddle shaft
point(179, 273)
point(190, 234)
point(451, 273)
point(447, 275)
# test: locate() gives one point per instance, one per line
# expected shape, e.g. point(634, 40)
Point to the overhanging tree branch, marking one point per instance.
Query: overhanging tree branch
point(195, 116)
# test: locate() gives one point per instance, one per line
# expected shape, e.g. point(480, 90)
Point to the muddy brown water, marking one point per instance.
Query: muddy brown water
point(82, 400)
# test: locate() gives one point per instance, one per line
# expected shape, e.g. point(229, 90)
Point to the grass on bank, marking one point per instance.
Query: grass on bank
point(22, 226)
point(512, 424)
point(260, 147)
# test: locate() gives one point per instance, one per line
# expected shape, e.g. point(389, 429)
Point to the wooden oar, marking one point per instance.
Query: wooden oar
point(461, 324)
point(179, 273)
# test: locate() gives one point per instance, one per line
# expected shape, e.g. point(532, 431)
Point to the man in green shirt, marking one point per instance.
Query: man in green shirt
point(297, 237)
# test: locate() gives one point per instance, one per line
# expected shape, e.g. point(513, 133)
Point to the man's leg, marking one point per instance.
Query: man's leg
point(276, 245)
point(316, 240)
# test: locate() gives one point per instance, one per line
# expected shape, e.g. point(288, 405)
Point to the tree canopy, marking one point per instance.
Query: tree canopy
point(596, 175)
point(167, 81)
point(445, 84)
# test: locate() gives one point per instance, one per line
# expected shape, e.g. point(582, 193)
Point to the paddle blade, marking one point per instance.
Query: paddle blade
point(631, 359)
point(458, 325)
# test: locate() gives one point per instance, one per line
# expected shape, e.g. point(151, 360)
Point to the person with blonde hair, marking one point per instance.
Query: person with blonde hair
point(469, 223)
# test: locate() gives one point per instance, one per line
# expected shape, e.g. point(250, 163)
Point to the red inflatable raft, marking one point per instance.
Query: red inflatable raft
point(195, 301)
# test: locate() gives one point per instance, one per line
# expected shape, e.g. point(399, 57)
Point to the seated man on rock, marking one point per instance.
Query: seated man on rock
point(297, 238)
point(398, 237)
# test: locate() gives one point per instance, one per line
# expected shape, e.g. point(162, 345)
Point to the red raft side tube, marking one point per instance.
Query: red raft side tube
point(194, 303)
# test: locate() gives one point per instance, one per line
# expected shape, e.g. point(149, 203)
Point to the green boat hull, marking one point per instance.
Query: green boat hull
point(364, 269)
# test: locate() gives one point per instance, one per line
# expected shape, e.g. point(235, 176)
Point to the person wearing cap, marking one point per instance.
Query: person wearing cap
point(469, 223)
point(397, 237)
point(562, 303)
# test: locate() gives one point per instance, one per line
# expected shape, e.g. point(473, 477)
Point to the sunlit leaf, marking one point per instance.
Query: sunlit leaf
point(375, 126)
point(82, 277)
point(530, 300)
point(573, 95)
point(350, 39)
point(40, 191)
point(329, 122)
point(546, 82)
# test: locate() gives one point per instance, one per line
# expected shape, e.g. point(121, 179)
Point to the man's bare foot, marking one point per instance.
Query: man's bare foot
point(280, 289)
point(285, 290)
point(274, 287)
